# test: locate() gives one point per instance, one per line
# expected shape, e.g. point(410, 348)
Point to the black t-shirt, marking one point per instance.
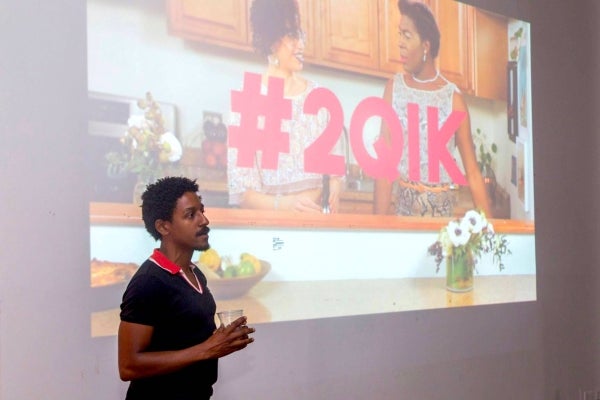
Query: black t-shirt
point(181, 317)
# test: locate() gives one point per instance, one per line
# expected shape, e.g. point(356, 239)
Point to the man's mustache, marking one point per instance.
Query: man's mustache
point(203, 231)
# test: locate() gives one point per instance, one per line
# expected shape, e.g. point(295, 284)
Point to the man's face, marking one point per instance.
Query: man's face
point(188, 226)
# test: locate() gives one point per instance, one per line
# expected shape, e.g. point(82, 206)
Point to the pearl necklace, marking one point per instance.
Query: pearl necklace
point(437, 75)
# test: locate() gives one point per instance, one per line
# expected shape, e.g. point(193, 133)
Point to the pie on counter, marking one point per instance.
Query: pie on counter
point(104, 273)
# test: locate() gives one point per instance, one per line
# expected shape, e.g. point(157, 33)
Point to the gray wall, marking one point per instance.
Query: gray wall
point(542, 350)
point(566, 152)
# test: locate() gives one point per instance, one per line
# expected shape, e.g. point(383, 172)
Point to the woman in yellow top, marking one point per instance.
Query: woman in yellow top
point(422, 84)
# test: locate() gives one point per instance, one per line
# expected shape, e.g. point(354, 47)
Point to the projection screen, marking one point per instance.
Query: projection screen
point(228, 128)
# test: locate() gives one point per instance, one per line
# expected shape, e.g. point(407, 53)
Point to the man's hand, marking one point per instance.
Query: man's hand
point(228, 339)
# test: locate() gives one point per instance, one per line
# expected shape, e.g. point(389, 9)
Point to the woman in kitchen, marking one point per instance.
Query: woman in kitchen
point(277, 35)
point(422, 84)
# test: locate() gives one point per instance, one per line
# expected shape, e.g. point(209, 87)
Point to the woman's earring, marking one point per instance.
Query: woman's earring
point(424, 56)
point(273, 60)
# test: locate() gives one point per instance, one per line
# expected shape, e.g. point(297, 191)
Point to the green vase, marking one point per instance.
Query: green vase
point(459, 271)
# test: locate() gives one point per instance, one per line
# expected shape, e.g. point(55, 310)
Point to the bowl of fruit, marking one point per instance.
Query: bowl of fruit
point(228, 279)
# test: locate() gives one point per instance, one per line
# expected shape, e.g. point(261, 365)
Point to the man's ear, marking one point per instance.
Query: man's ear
point(162, 226)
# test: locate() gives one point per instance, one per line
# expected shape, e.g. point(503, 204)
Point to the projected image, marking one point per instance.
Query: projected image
point(353, 157)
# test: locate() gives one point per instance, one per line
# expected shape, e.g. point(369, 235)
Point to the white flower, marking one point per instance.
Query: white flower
point(134, 143)
point(138, 121)
point(475, 221)
point(490, 229)
point(171, 146)
point(458, 233)
point(445, 241)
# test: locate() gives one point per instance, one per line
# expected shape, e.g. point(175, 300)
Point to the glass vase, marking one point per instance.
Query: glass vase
point(459, 270)
point(489, 180)
point(139, 188)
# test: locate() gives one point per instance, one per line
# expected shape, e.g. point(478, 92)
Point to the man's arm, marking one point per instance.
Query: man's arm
point(136, 363)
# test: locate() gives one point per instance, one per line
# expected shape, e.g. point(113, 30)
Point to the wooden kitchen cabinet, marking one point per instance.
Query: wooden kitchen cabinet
point(456, 44)
point(473, 49)
point(349, 34)
point(223, 22)
point(490, 44)
point(227, 23)
point(308, 16)
point(389, 53)
point(362, 36)
point(344, 40)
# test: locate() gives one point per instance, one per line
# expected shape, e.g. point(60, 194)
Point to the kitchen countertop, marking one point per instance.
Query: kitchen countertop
point(272, 301)
point(128, 214)
point(355, 198)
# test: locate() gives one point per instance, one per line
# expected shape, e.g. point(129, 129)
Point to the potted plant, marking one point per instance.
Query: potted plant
point(148, 148)
point(485, 158)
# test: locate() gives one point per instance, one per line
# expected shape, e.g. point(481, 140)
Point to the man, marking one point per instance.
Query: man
point(168, 340)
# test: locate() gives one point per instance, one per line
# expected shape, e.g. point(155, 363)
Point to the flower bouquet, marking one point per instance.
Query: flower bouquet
point(148, 148)
point(461, 243)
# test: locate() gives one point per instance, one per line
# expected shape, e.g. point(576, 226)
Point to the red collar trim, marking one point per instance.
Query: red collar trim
point(164, 262)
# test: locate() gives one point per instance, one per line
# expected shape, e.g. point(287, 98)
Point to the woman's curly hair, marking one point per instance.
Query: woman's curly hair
point(271, 20)
point(424, 21)
point(160, 199)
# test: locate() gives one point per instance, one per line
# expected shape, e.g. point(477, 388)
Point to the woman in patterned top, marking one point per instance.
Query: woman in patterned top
point(278, 36)
point(422, 84)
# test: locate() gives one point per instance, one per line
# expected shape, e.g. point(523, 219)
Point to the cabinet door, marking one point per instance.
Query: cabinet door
point(389, 20)
point(223, 22)
point(491, 54)
point(308, 18)
point(349, 34)
point(456, 49)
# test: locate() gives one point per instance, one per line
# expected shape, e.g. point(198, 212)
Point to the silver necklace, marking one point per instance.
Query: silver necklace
point(437, 75)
